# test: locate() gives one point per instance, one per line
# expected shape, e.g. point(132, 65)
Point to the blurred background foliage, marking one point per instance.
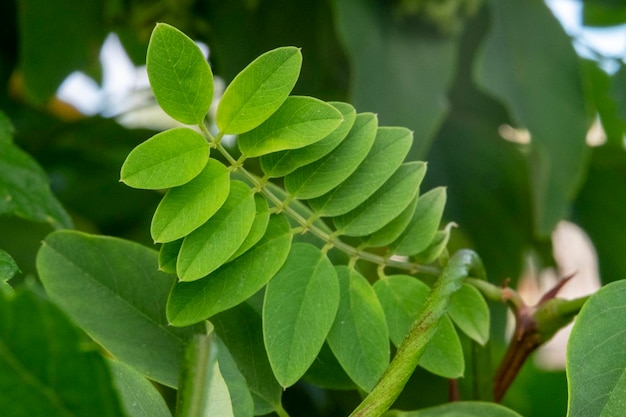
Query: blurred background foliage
point(473, 79)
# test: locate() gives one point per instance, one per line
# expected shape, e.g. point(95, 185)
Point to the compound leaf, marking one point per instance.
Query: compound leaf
point(392, 230)
point(179, 74)
point(470, 312)
point(168, 256)
point(259, 225)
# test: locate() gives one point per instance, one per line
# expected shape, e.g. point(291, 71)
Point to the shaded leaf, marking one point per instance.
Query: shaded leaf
point(168, 255)
point(470, 312)
point(326, 372)
point(212, 244)
point(168, 159)
point(392, 230)
point(298, 311)
point(185, 208)
point(258, 90)
point(359, 337)
point(258, 228)
point(113, 290)
point(458, 409)
point(299, 122)
point(233, 283)
point(8, 267)
point(240, 396)
point(180, 76)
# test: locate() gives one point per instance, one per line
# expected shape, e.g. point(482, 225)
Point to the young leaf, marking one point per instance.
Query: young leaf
point(168, 255)
point(168, 159)
point(436, 247)
point(279, 164)
point(212, 244)
point(299, 122)
point(470, 312)
point(359, 337)
point(233, 283)
point(113, 290)
point(261, 219)
point(385, 204)
point(185, 208)
point(596, 363)
point(392, 230)
point(259, 90)
point(240, 329)
point(298, 310)
point(321, 176)
point(390, 147)
point(423, 227)
point(459, 409)
point(180, 76)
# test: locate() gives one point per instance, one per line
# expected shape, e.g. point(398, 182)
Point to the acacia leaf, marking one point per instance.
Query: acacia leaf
point(298, 311)
point(392, 230)
point(259, 225)
point(168, 256)
point(470, 312)
point(168, 159)
point(258, 90)
point(179, 74)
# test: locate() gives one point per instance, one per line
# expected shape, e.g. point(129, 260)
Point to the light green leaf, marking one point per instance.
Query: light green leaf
point(299, 122)
point(259, 90)
point(385, 204)
point(168, 159)
point(180, 76)
point(168, 255)
point(321, 176)
point(139, 397)
point(212, 244)
point(596, 355)
point(45, 369)
point(279, 164)
point(113, 290)
point(233, 283)
point(240, 396)
point(185, 208)
point(470, 312)
point(458, 409)
point(240, 329)
point(389, 150)
point(436, 247)
point(359, 337)
point(392, 230)
point(258, 228)
point(443, 355)
point(424, 224)
point(298, 311)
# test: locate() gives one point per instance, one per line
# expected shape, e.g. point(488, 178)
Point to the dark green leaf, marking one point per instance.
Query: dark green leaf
point(326, 372)
point(113, 290)
point(298, 310)
point(240, 396)
point(233, 283)
point(168, 255)
point(470, 312)
point(168, 159)
point(180, 76)
point(603, 13)
point(8, 267)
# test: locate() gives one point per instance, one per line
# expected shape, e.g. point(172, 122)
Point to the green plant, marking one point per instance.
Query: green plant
point(301, 268)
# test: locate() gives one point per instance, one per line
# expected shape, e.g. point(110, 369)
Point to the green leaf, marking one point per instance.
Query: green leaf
point(8, 267)
point(168, 159)
point(212, 244)
point(436, 247)
point(240, 396)
point(443, 355)
point(113, 290)
point(385, 204)
point(185, 208)
point(470, 312)
point(424, 224)
point(392, 230)
point(458, 409)
point(45, 368)
point(547, 99)
point(596, 362)
point(24, 189)
point(168, 256)
point(326, 372)
point(6, 130)
point(180, 76)
point(299, 122)
point(240, 329)
point(259, 226)
point(139, 397)
point(233, 283)
point(279, 164)
point(298, 311)
point(321, 176)
point(259, 90)
point(359, 337)
point(389, 150)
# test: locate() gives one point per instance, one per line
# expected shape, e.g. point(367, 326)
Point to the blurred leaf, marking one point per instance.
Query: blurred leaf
point(185, 208)
point(458, 409)
point(45, 369)
point(546, 99)
point(233, 283)
point(298, 311)
point(168, 159)
point(212, 244)
point(617, 90)
point(258, 90)
point(470, 312)
point(402, 87)
point(299, 122)
point(8, 267)
point(113, 290)
point(603, 13)
point(139, 397)
point(595, 354)
point(180, 76)
point(359, 337)
point(240, 396)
